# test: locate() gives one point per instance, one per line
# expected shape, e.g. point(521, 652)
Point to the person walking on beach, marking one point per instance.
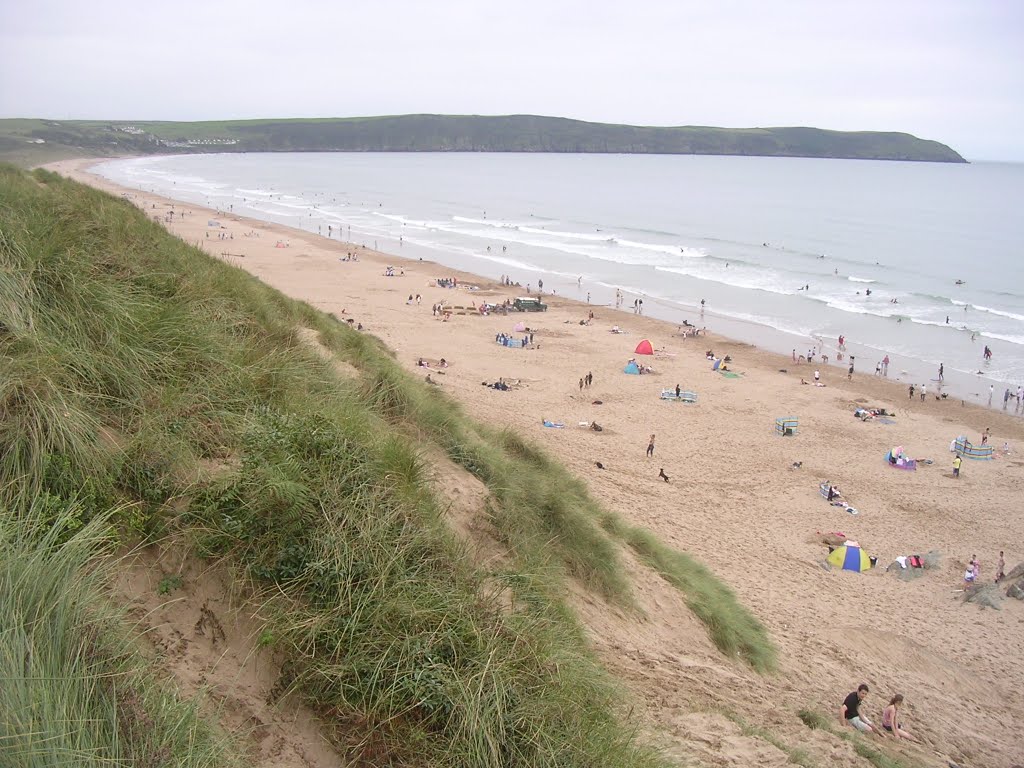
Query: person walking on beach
point(581, 384)
point(885, 365)
point(957, 461)
point(650, 447)
point(540, 286)
point(849, 373)
point(991, 391)
point(924, 389)
point(1000, 568)
point(911, 391)
point(942, 368)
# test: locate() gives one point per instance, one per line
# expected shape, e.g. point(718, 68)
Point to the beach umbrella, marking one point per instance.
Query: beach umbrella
point(849, 557)
point(644, 348)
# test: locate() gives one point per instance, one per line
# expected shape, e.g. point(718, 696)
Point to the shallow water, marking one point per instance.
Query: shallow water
point(782, 250)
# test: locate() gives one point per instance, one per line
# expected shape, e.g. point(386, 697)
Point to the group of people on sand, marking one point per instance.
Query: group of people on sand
point(687, 329)
point(892, 724)
point(972, 574)
point(421, 363)
point(640, 366)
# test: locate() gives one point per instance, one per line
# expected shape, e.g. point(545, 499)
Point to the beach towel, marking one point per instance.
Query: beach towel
point(730, 374)
point(553, 424)
point(684, 396)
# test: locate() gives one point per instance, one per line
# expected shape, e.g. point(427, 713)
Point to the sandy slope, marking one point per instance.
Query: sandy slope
point(733, 502)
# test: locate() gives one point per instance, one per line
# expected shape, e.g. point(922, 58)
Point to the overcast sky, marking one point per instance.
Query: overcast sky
point(950, 70)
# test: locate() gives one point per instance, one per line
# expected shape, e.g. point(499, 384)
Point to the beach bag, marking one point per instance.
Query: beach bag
point(915, 561)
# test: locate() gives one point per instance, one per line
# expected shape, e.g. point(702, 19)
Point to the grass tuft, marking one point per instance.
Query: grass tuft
point(75, 692)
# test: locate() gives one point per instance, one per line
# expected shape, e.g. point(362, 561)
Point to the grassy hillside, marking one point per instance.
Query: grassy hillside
point(451, 133)
point(152, 388)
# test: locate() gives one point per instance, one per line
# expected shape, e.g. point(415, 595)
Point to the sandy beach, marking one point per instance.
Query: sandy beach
point(741, 498)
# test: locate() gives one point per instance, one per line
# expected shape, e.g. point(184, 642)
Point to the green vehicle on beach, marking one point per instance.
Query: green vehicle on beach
point(529, 304)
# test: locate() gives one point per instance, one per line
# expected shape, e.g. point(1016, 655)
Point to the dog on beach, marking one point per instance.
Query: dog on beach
point(797, 465)
point(662, 475)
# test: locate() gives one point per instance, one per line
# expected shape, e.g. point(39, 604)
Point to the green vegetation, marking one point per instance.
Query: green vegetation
point(74, 692)
point(143, 377)
point(732, 627)
point(796, 755)
point(449, 133)
point(817, 721)
point(814, 720)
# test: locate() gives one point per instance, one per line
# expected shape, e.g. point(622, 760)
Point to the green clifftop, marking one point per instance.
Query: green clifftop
point(453, 133)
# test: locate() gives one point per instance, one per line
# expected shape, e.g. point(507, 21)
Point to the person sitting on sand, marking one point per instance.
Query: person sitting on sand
point(849, 712)
point(973, 570)
point(430, 380)
point(891, 719)
point(444, 363)
point(833, 493)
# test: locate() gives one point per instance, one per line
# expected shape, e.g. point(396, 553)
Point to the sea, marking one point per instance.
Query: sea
point(923, 262)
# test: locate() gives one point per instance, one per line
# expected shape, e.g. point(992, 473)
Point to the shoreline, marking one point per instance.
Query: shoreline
point(970, 389)
point(915, 351)
point(734, 501)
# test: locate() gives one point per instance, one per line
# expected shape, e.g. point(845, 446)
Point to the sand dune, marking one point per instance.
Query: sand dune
point(733, 502)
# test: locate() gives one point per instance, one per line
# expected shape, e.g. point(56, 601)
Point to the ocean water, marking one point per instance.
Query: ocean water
point(783, 251)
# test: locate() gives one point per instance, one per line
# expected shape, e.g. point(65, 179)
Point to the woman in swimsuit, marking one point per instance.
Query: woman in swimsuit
point(891, 719)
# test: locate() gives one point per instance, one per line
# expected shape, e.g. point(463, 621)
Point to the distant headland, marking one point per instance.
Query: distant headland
point(25, 139)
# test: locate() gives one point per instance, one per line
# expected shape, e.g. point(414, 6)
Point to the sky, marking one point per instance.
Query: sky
point(949, 70)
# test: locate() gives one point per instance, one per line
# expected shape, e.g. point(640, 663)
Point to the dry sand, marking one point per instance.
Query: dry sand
point(733, 501)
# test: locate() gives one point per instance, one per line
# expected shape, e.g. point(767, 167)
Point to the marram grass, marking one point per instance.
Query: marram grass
point(139, 370)
point(74, 690)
